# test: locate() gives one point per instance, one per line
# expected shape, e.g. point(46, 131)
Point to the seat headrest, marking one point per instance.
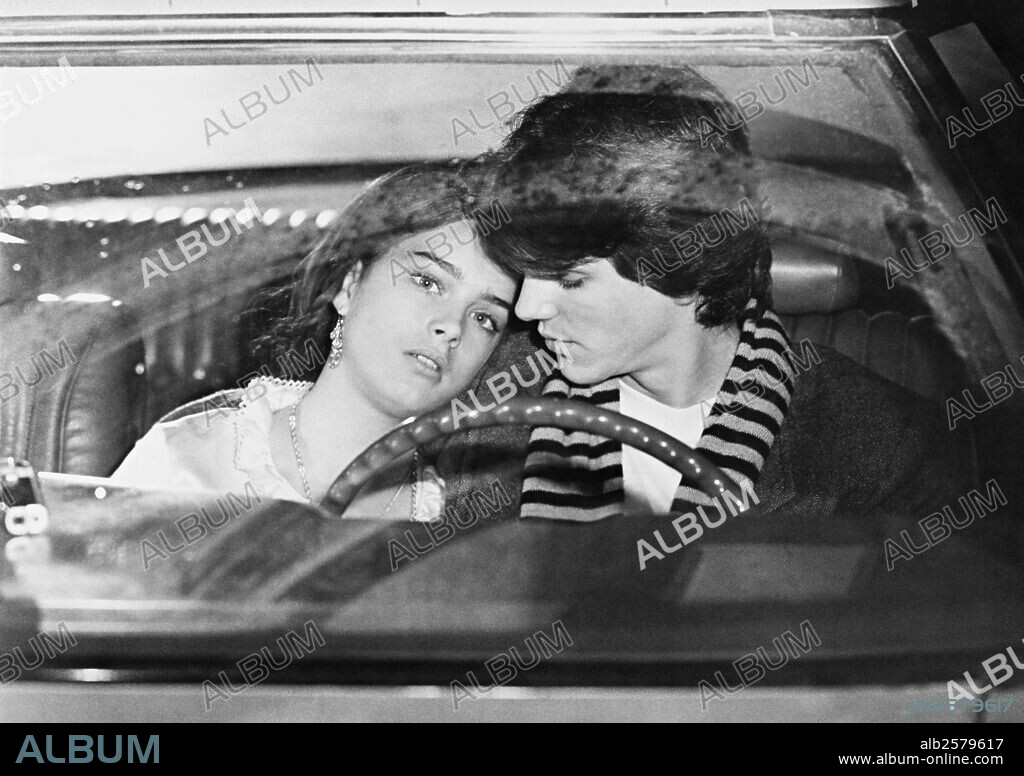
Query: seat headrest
point(806, 279)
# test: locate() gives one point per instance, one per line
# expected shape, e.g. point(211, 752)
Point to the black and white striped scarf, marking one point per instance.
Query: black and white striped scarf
point(576, 475)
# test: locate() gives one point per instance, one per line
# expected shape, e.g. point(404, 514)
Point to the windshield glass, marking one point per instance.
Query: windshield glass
point(222, 280)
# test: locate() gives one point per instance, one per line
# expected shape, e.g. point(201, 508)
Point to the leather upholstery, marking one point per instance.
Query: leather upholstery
point(806, 280)
point(202, 353)
point(190, 320)
point(908, 351)
point(71, 396)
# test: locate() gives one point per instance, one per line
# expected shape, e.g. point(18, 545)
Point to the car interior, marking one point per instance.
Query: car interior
point(854, 168)
point(158, 354)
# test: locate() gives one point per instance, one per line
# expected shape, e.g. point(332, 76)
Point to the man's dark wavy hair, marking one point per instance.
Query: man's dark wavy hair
point(408, 201)
point(621, 163)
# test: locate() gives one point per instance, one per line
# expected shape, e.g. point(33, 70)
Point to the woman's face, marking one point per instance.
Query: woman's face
point(423, 319)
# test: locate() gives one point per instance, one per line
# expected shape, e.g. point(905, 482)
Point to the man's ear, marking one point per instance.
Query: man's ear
point(343, 300)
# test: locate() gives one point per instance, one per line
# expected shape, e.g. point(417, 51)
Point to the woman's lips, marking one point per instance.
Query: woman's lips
point(429, 363)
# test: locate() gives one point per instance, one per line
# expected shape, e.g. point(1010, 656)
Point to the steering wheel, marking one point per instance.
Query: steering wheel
point(561, 413)
point(278, 553)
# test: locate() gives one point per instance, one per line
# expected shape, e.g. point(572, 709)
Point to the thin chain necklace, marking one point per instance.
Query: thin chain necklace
point(293, 429)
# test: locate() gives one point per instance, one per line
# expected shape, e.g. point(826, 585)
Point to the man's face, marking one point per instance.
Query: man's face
point(610, 326)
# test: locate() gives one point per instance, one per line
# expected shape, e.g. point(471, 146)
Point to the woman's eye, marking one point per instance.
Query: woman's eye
point(426, 282)
point(488, 322)
point(570, 283)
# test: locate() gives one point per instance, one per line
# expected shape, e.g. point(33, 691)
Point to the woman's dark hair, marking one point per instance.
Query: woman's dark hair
point(646, 166)
point(407, 201)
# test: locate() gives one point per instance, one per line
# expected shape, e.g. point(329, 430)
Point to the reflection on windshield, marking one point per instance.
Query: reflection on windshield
point(669, 358)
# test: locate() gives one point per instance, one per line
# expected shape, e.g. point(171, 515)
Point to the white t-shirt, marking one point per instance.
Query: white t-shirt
point(650, 485)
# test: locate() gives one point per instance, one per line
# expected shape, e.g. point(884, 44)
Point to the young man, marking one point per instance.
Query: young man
point(615, 188)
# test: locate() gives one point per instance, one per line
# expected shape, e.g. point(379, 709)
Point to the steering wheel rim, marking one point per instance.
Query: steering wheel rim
point(543, 411)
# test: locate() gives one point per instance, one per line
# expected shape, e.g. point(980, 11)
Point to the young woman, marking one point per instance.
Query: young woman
point(409, 307)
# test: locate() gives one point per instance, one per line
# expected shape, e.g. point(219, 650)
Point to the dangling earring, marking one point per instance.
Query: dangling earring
point(335, 358)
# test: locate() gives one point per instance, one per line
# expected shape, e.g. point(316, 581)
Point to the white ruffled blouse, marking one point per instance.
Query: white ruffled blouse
point(225, 448)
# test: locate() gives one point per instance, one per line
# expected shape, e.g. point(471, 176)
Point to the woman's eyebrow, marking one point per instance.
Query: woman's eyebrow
point(456, 273)
point(495, 299)
point(447, 266)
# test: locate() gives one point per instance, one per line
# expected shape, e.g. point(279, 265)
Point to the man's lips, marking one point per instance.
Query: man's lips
point(553, 340)
point(557, 345)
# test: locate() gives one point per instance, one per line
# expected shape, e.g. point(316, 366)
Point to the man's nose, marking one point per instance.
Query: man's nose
point(535, 301)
